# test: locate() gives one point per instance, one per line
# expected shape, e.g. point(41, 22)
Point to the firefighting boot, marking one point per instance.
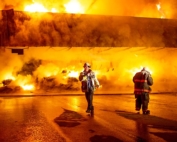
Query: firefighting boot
point(92, 111)
point(88, 111)
point(138, 110)
point(146, 112)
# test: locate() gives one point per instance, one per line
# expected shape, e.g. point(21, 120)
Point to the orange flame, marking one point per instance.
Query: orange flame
point(160, 10)
point(9, 76)
point(71, 7)
point(73, 74)
point(37, 7)
point(135, 70)
point(158, 6)
point(28, 87)
point(74, 7)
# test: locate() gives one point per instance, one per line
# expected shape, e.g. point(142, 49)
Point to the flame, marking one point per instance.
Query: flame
point(135, 70)
point(74, 7)
point(49, 74)
point(53, 10)
point(71, 7)
point(159, 8)
point(73, 74)
point(9, 76)
point(36, 7)
point(28, 87)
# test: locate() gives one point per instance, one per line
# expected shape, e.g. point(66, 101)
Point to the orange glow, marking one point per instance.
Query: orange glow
point(74, 7)
point(73, 74)
point(9, 76)
point(53, 10)
point(47, 70)
point(49, 74)
point(160, 10)
point(133, 71)
point(25, 82)
point(158, 6)
point(27, 87)
point(36, 7)
point(71, 7)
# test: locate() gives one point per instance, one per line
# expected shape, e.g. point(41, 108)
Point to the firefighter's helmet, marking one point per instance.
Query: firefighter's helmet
point(87, 64)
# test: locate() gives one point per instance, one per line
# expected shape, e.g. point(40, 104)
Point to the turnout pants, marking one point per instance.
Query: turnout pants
point(142, 101)
point(89, 98)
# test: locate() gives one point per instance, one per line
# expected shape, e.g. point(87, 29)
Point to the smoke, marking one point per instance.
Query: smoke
point(52, 69)
point(54, 30)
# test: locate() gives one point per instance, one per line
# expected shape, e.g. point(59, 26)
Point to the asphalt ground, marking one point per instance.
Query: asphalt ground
point(58, 118)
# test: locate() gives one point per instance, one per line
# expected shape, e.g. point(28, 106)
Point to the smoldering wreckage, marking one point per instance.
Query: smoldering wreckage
point(23, 30)
point(45, 84)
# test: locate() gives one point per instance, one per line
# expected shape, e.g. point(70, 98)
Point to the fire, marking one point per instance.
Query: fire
point(73, 74)
point(159, 8)
point(71, 7)
point(135, 70)
point(74, 7)
point(49, 74)
point(20, 80)
point(9, 76)
point(27, 87)
point(36, 7)
point(53, 10)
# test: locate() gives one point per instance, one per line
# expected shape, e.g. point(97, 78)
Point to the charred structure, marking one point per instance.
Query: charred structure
point(24, 29)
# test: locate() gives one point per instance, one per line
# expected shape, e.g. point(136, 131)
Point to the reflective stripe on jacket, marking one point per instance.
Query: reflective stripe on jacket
point(142, 82)
point(83, 77)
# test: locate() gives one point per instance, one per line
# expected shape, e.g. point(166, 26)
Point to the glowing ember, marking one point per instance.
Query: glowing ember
point(28, 87)
point(74, 7)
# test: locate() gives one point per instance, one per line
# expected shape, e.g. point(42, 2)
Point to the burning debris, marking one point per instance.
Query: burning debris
point(48, 73)
point(6, 82)
point(32, 78)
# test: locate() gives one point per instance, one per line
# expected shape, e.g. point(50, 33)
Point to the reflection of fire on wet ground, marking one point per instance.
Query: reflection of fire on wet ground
point(69, 119)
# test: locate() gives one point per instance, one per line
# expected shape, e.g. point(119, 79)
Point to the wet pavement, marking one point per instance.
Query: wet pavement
point(63, 119)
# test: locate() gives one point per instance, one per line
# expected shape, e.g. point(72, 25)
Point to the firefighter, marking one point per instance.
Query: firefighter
point(142, 82)
point(89, 84)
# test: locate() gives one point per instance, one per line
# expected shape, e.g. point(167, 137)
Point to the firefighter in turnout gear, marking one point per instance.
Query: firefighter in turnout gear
point(89, 84)
point(142, 82)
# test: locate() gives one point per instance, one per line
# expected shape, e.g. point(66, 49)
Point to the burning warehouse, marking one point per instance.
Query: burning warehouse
point(43, 47)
